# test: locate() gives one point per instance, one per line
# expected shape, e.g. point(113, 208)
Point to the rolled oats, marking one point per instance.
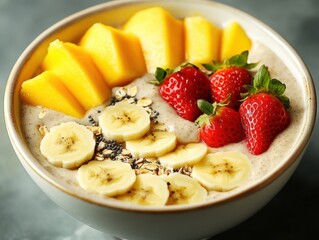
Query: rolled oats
point(144, 102)
point(42, 113)
point(95, 129)
point(43, 129)
point(112, 150)
point(120, 93)
point(132, 91)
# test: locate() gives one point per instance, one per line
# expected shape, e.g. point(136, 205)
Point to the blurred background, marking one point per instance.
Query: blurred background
point(27, 213)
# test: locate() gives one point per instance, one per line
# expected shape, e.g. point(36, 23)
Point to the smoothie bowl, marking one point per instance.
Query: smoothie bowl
point(122, 115)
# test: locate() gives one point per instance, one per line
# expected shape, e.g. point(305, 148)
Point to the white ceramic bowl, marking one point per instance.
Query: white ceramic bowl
point(196, 221)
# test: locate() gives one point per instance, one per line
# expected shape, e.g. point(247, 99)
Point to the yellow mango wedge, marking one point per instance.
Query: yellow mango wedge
point(202, 40)
point(234, 41)
point(116, 53)
point(74, 66)
point(47, 90)
point(161, 37)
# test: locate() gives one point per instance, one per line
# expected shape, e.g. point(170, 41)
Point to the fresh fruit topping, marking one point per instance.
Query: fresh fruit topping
point(222, 171)
point(161, 36)
point(75, 67)
point(47, 90)
point(124, 121)
point(125, 152)
point(154, 144)
point(182, 87)
point(184, 189)
point(184, 155)
point(219, 125)
point(117, 54)
point(148, 189)
point(264, 111)
point(107, 177)
point(230, 77)
point(234, 40)
point(68, 145)
point(202, 40)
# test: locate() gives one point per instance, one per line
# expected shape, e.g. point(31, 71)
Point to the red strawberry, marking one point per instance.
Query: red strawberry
point(230, 78)
point(182, 87)
point(264, 111)
point(219, 125)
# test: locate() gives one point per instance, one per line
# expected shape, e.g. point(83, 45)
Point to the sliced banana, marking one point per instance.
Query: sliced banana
point(184, 155)
point(184, 189)
point(154, 144)
point(68, 145)
point(124, 121)
point(148, 189)
point(222, 171)
point(110, 178)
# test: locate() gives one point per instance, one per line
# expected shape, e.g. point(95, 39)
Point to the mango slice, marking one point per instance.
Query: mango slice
point(161, 37)
point(47, 90)
point(234, 41)
point(117, 54)
point(202, 40)
point(74, 66)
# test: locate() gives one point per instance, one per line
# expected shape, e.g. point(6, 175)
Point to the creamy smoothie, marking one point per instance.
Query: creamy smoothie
point(262, 165)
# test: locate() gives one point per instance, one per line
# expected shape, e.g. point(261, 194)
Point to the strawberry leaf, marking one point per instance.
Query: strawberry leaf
point(262, 82)
point(205, 107)
point(160, 75)
point(202, 119)
point(239, 60)
point(180, 67)
point(251, 65)
point(212, 67)
point(209, 67)
point(276, 87)
point(285, 101)
point(250, 89)
point(208, 109)
point(262, 79)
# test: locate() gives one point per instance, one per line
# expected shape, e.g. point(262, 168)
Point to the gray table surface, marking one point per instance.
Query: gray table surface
point(27, 213)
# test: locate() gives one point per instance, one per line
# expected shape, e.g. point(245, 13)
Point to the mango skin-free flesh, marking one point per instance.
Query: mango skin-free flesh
point(74, 66)
point(202, 40)
point(107, 57)
point(161, 36)
point(234, 40)
point(47, 90)
point(117, 54)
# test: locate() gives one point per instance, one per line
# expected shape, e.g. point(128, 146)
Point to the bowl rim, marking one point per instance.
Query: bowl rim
point(25, 155)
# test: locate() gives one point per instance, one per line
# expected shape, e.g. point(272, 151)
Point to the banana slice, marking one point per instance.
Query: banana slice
point(68, 145)
point(148, 189)
point(184, 155)
point(106, 177)
point(184, 189)
point(222, 171)
point(124, 121)
point(154, 144)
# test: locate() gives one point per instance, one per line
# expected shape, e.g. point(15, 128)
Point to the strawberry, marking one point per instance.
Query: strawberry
point(181, 87)
point(264, 111)
point(230, 78)
point(219, 125)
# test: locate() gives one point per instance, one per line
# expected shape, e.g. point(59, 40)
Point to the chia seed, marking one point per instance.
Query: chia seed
point(115, 151)
point(92, 121)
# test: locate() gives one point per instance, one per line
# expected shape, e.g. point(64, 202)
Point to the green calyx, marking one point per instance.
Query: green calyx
point(263, 82)
point(208, 109)
point(239, 61)
point(161, 74)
